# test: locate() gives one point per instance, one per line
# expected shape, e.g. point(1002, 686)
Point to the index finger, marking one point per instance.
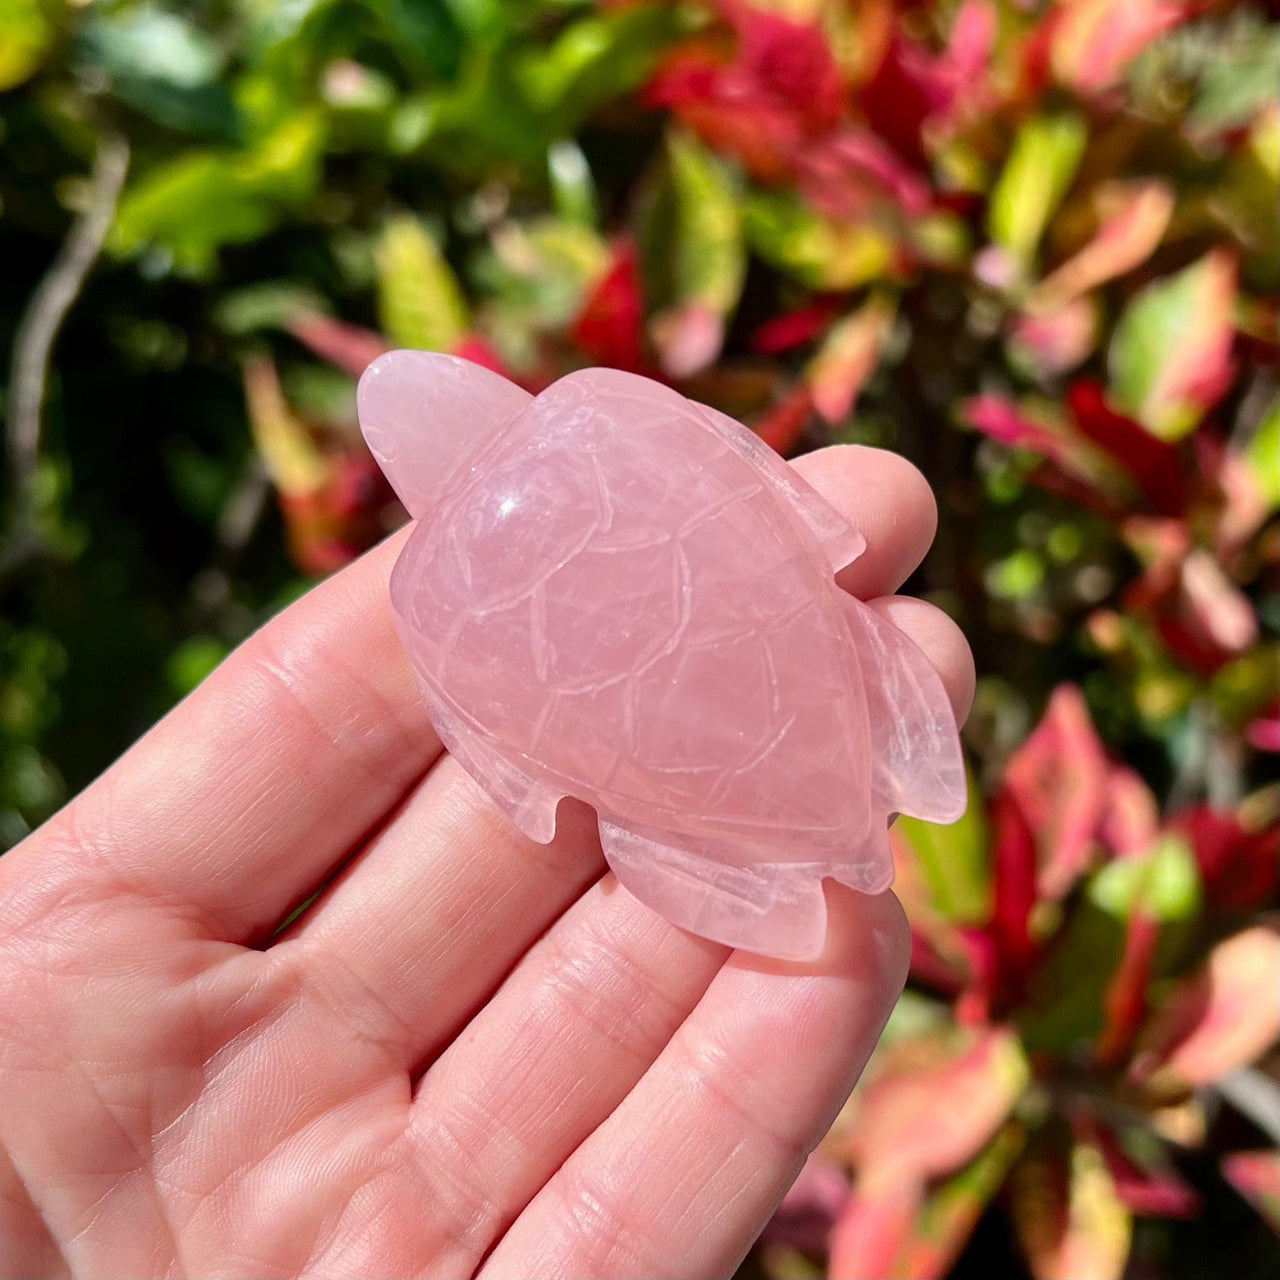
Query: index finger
point(250, 791)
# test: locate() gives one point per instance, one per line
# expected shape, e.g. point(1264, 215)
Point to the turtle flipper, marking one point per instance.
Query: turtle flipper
point(424, 414)
point(919, 767)
point(775, 909)
point(531, 805)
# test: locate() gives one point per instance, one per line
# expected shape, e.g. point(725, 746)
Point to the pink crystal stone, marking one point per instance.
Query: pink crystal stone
point(617, 594)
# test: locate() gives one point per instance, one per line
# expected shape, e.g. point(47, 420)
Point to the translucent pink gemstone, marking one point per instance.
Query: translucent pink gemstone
point(617, 594)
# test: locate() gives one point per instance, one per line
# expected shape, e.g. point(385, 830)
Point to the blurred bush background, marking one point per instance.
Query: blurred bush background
point(1033, 246)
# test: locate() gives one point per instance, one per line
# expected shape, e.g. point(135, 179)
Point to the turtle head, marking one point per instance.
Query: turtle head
point(424, 414)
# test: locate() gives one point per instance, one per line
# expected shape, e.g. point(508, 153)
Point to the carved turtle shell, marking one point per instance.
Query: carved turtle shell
point(617, 594)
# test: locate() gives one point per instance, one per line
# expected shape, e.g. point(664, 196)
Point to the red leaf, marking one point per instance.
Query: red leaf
point(1058, 780)
point(788, 60)
point(1151, 462)
point(783, 426)
point(779, 87)
point(478, 351)
point(1154, 1189)
point(608, 330)
point(846, 174)
point(1238, 868)
point(1222, 1018)
point(913, 88)
point(345, 346)
point(808, 1211)
point(1125, 1000)
point(1014, 849)
point(329, 528)
point(791, 329)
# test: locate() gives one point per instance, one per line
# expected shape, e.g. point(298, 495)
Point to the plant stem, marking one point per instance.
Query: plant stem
point(37, 333)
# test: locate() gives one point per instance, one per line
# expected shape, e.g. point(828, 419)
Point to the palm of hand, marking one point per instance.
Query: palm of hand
point(472, 1055)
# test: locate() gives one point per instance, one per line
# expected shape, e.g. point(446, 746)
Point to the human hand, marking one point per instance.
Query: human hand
point(472, 1054)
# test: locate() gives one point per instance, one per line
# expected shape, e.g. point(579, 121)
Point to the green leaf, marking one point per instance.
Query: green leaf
point(192, 661)
point(27, 31)
point(814, 250)
point(423, 34)
point(1163, 882)
point(419, 301)
point(1262, 456)
point(190, 207)
point(710, 256)
point(954, 860)
point(596, 59)
point(143, 42)
point(1170, 354)
point(204, 199)
point(1240, 77)
point(573, 192)
point(543, 268)
point(1041, 165)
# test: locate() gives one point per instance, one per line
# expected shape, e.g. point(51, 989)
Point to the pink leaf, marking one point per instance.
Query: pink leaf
point(1134, 221)
point(872, 1229)
point(1264, 733)
point(1222, 1018)
point(345, 346)
point(923, 1121)
point(688, 338)
point(1256, 1176)
point(808, 1211)
point(1053, 341)
point(847, 358)
point(1094, 41)
point(1131, 818)
point(1215, 607)
point(1058, 780)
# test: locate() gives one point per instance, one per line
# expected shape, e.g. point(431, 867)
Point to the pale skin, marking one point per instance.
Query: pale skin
point(474, 1055)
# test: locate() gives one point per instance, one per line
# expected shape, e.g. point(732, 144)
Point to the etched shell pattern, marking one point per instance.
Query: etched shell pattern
point(625, 629)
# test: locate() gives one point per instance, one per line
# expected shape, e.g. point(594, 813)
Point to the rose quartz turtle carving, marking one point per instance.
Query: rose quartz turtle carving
point(617, 594)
